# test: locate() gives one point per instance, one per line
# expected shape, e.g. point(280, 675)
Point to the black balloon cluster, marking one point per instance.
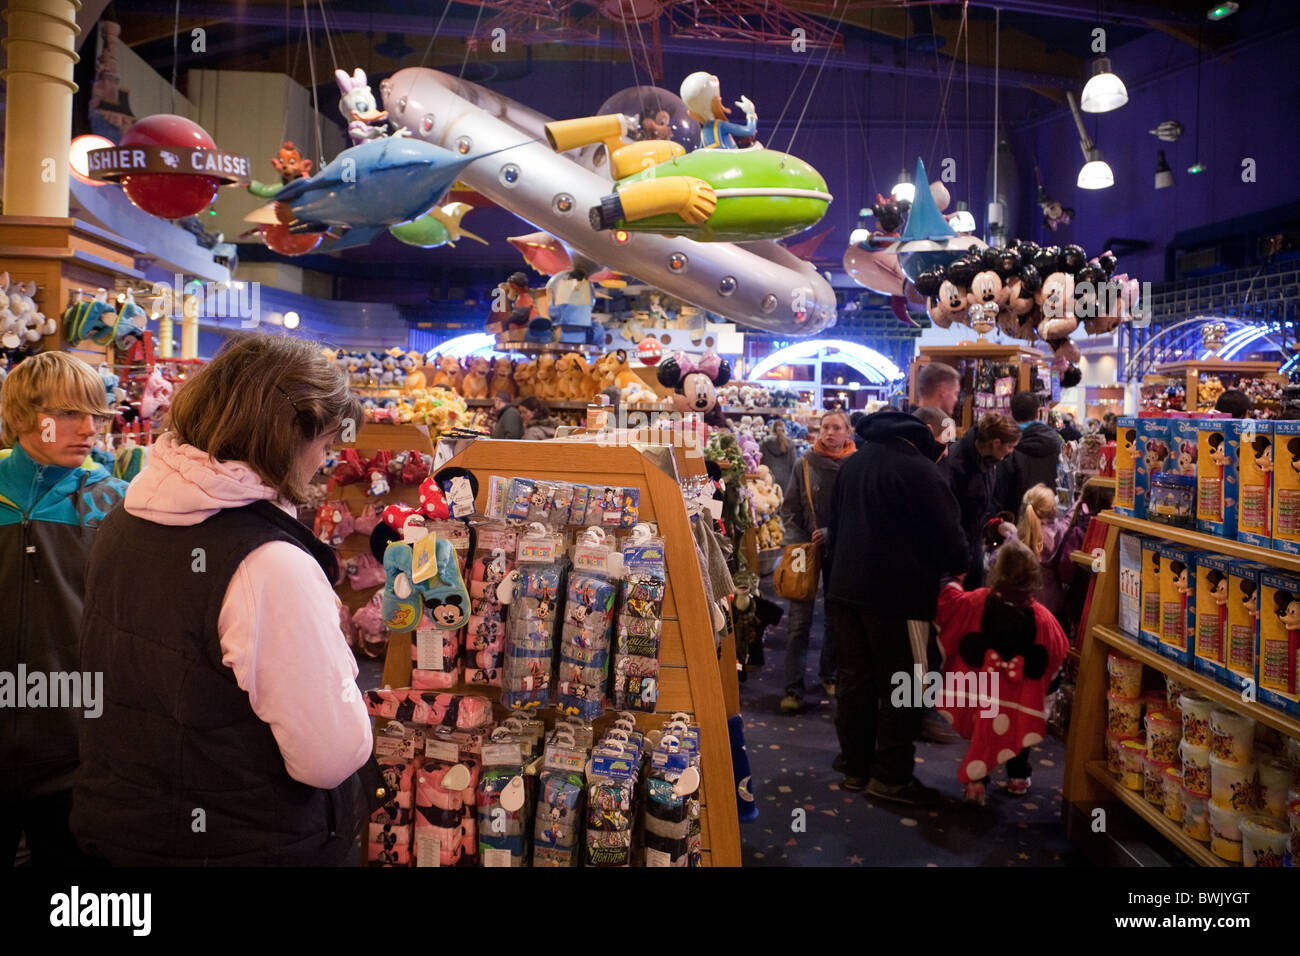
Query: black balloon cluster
point(1029, 291)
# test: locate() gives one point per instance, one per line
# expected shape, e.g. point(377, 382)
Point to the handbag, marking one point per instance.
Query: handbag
point(800, 569)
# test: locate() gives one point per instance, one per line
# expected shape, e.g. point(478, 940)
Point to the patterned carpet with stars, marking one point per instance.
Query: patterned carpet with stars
point(790, 759)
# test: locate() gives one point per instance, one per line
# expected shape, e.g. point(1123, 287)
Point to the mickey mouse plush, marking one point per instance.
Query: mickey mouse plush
point(696, 383)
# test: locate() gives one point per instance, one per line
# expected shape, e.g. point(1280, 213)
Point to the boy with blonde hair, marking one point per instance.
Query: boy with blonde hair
point(52, 498)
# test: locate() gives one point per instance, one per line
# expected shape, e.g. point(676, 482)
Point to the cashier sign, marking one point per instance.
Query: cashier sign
point(113, 163)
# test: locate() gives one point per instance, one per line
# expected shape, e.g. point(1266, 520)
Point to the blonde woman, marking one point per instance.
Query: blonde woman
point(229, 686)
point(1042, 529)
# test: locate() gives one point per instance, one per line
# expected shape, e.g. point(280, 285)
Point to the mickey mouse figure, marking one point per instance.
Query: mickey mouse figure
point(696, 383)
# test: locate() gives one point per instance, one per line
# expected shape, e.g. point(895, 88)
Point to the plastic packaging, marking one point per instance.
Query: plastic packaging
point(1196, 709)
point(1232, 736)
point(1233, 785)
point(1225, 833)
point(1173, 805)
point(1196, 819)
point(1164, 730)
point(1196, 767)
point(1264, 841)
point(584, 641)
point(1123, 715)
point(636, 648)
point(538, 584)
point(1125, 675)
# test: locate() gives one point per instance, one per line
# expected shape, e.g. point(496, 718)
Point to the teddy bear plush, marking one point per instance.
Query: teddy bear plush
point(475, 382)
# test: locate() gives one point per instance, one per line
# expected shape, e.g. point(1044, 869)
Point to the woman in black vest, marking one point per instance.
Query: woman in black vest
point(232, 729)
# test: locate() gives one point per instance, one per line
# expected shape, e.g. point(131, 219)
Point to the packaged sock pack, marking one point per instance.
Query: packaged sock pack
point(635, 684)
point(1255, 484)
point(1130, 469)
point(666, 820)
point(388, 840)
point(1130, 584)
point(1150, 630)
point(530, 624)
point(493, 561)
point(1286, 486)
point(1213, 595)
point(429, 708)
point(435, 656)
point(1277, 661)
point(611, 783)
point(1245, 611)
point(444, 803)
point(560, 791)
point(584, 641)
point(503, 803)
point(1177, 601)
point(1218, 451)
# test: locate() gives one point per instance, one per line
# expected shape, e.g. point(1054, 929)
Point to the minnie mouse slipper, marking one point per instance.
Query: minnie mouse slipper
point(445, 596)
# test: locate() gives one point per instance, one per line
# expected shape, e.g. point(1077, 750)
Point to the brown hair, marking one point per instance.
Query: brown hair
point(994, 427)
point(933, 418)
point(260, 401)
point(1016, 574)
point(932, 375)
point(534, 405)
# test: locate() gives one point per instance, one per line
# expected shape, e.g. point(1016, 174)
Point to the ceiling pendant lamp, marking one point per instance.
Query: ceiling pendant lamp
point(905, 189)
point(1096, 172)
point(1104, 91)
point(1164, 175)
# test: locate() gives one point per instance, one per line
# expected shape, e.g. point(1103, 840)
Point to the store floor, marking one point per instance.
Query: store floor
point(790, 761)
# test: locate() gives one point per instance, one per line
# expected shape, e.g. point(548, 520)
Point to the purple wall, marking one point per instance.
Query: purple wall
point(1248, 109)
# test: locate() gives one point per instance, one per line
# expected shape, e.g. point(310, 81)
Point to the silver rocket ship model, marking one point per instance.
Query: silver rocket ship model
point(758, 285)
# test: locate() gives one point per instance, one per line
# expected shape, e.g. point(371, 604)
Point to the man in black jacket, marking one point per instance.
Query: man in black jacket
point(895, 532)
point(1035, 460)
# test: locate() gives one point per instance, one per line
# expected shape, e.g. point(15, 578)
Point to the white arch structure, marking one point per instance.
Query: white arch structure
point(877, 368)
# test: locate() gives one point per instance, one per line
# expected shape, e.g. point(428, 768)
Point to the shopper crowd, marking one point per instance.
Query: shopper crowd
point(914, 522)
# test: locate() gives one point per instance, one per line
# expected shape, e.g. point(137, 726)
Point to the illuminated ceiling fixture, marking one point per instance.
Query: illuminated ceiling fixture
point(1221, 11)
point(962, 221)
point(904, 191)
point(79, 162)
point(1104, 91)
point(1096, 172)
point(1164, 175)
point(291, 320)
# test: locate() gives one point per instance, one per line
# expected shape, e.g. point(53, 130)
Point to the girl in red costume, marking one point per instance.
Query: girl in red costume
point(1012, 646)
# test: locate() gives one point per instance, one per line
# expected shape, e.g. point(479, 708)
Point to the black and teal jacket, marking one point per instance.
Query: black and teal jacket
point(48, 517)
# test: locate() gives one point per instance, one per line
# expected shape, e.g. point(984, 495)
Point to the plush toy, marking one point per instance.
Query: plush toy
point(448, 374)
point(157, 396)
point(113, 392)
point(546, 383)
point(525, 379)
point(475, 382)
point(696, 382)
point(86, 319)
point(503, 377)
point(575, 380)
point(412, 364)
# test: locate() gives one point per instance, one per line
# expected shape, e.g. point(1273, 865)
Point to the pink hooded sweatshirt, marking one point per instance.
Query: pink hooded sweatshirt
point(279, 622)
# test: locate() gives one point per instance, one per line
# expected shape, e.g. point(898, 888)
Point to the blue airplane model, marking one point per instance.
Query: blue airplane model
point(369, 187)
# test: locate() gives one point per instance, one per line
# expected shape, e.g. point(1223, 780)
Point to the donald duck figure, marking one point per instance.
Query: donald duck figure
point(702, 94)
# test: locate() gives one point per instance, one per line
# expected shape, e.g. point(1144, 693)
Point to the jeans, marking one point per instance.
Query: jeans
point(45, 821)
point(797, 637)
point(875, 737)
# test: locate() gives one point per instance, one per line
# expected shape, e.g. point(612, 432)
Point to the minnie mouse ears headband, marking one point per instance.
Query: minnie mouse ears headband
point(673, 371)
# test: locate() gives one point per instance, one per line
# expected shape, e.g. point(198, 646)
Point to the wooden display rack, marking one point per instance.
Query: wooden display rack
point(1088, 785)
point(1191, 372)
point(1023, 357)
point(689, 677)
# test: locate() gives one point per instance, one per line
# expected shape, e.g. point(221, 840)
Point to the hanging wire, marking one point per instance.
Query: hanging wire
point(945, 92)
point(907, 80)
point(645, 51)
point(311, 66)
point(997, 89)
point(631, 54)
point(465, 62)
point(330, 42)
point(176, 33)
point(808, 101)
point(964, 10)
point(437, 28)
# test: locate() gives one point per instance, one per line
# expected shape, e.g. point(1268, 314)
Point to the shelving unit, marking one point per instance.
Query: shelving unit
point(1022, 357)
point(1189, 374)
point(1088, 785)
point(691, 679)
